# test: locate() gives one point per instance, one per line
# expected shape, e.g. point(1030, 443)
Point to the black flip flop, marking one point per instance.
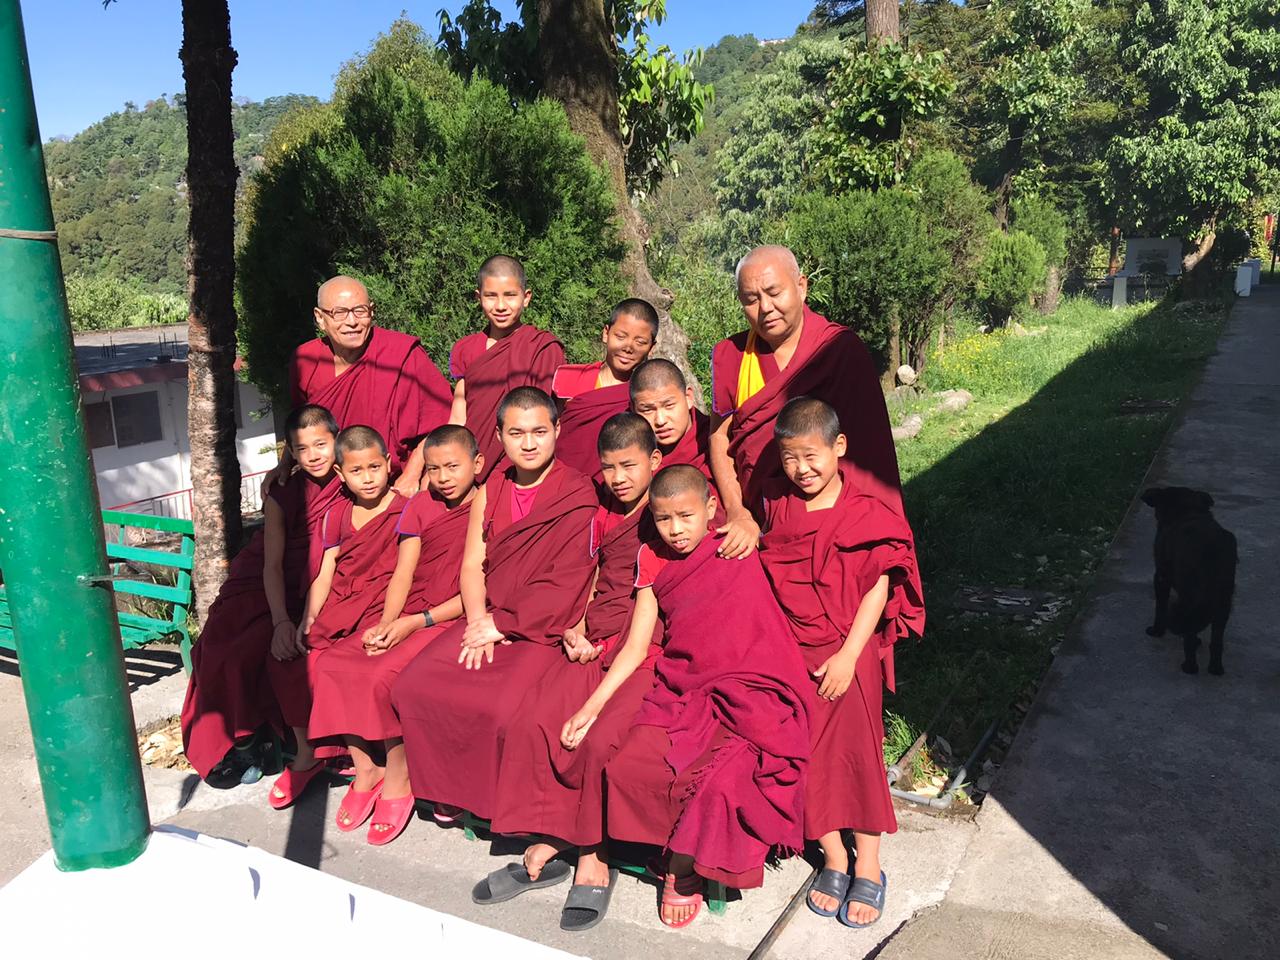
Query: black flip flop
point(510, 881)
point(586, 906)
point(864, 891)
point(833, 883)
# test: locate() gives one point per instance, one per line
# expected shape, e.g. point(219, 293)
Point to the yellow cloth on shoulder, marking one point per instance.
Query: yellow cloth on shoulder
point(750, 373)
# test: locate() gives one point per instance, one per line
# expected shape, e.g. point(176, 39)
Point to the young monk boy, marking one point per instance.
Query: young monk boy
point(591, 393)
point(352, 678)
point(842, 565)
point(229, 698)
point(525, 579)
point(358, 536)
point(712, 769)
point(489, 364)
point(660, 394)
point(551, 783)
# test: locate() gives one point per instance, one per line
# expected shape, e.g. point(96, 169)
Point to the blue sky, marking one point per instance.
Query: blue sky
point(86, 61)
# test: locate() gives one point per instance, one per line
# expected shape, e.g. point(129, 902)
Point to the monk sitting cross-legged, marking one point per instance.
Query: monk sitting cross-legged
point(525, 579)
point(358, 538)
point(352, 678)
point(843, 568)
point(508, 353)
point(713, 767)
point(230, 700)
point(552, 779)
point(591, 393)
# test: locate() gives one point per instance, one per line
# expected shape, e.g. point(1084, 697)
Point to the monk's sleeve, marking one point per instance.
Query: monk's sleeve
point(555, 585)
point(724, 375)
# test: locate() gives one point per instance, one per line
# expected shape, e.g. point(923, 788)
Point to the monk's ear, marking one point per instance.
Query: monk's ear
point(711, 507)
point(802, 283)
point(655, 459)
point(478, 462)
point(528, 295)
point(688, 395)
point(841, 446)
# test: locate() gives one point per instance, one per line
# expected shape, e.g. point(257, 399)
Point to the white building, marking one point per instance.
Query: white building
point(134, 386)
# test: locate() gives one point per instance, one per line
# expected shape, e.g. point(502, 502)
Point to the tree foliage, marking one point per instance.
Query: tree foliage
point(1013, 267)
point(108, 303)
point(408, 180)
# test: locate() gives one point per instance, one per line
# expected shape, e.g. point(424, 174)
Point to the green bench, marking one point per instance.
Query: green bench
point(136, 629)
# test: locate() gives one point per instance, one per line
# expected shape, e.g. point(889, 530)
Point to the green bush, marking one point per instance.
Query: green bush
point(873, 262)
point(1013, 267)
point(1041, 219)
point(706, 307)
point(109, 303)
point(408, 180)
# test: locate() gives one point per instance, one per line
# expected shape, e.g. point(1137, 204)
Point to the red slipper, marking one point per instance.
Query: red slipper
point(357, 804)
point(291, 783)
point(446, 814)
point(671, 896)
point(394, 814)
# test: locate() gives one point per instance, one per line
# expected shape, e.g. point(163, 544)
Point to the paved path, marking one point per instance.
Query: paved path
point(1138, 813)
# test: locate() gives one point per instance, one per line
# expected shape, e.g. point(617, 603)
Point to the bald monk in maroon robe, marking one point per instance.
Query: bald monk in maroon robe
point(366, 374)
point(843, 568)
point(508, 353)
point(713, 768)
point(551, 783)
point(591, 393)
point(525, 580)
point(789, 351)
point(229, 697)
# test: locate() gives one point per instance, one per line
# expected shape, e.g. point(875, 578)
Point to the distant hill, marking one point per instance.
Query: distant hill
point(118, 189)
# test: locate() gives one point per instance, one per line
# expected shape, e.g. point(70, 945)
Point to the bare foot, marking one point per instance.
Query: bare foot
point(687, 883)
point(536, 857)
point(591, 872)
point(835, 860)
point(296, 768)
point(366, 780)
point(868, 870)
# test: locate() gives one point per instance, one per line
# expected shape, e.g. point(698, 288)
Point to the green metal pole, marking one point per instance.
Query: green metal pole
point(50, 527)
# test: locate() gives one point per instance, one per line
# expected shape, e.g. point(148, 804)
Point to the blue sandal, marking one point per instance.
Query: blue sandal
point(863, 891)
point(833, 883)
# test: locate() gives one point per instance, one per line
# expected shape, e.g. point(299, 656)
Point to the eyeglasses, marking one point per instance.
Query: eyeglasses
point(361, 311)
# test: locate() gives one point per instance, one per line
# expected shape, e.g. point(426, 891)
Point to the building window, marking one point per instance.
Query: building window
point(137, 418)
point(97, 418)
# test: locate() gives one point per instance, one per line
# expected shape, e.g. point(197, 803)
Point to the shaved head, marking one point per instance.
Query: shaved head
point(776, 254)
point(347, 289)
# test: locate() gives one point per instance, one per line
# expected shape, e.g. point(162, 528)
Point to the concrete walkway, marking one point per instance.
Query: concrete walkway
point(1138, 813)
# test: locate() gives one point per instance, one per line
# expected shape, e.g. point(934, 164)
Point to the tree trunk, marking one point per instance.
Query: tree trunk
point(580, 69)
point(1197, 277)
point(207, 62)
point(1113, 260)
point(1052, 290)
point(889, 378)
point(882, 21)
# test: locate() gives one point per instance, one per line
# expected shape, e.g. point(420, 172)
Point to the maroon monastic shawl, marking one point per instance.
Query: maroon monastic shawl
point(831, 364)
point(609, 612)
point(366, 561)
point(822, 564)
point(692, 447)
point(538, 570)
point(528, 357)
point(730, 668)
point(580, 423)
point(443, 532)
point(393, 388)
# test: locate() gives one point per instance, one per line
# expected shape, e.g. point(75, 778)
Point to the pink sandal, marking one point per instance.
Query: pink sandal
point(357, 804)
point(394, 814)
point(446, 814)
point(291, 783)
point(671, 897)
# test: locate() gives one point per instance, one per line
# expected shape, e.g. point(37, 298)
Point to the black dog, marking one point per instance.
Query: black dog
point(1196, 559)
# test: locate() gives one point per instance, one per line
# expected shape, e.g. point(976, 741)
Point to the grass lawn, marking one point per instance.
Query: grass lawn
point(1025, 488)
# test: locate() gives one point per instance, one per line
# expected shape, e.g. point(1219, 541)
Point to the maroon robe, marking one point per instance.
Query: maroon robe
point(714, 767)
point(229, 695)
point(393, 388)
point(693, 446)
point(366, 560)
point(831, 364)
point(537, 576)
point(527, 357)
point(584, 412)
point(355, 688)
point(821, 564)
point(543, 788)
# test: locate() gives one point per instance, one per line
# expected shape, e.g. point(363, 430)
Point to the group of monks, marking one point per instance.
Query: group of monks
point(562, 599)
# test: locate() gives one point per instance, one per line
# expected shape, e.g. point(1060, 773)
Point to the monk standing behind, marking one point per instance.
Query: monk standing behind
point(229, 699)
point(366, 374)
point(359, 538)
point(552, 779)
point(660, 394)
point(591, 393)
point(843, 568)
point(525, 579)
point(488, 365)
point(713, 767)
point(352, 679)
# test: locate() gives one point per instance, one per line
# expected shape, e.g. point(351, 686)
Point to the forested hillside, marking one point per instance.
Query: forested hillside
point(118, 191)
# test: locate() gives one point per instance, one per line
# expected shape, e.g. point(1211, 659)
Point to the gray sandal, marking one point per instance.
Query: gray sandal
point(833, 883)
point(510, 881)
point(586, 906)
point(864, 891)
